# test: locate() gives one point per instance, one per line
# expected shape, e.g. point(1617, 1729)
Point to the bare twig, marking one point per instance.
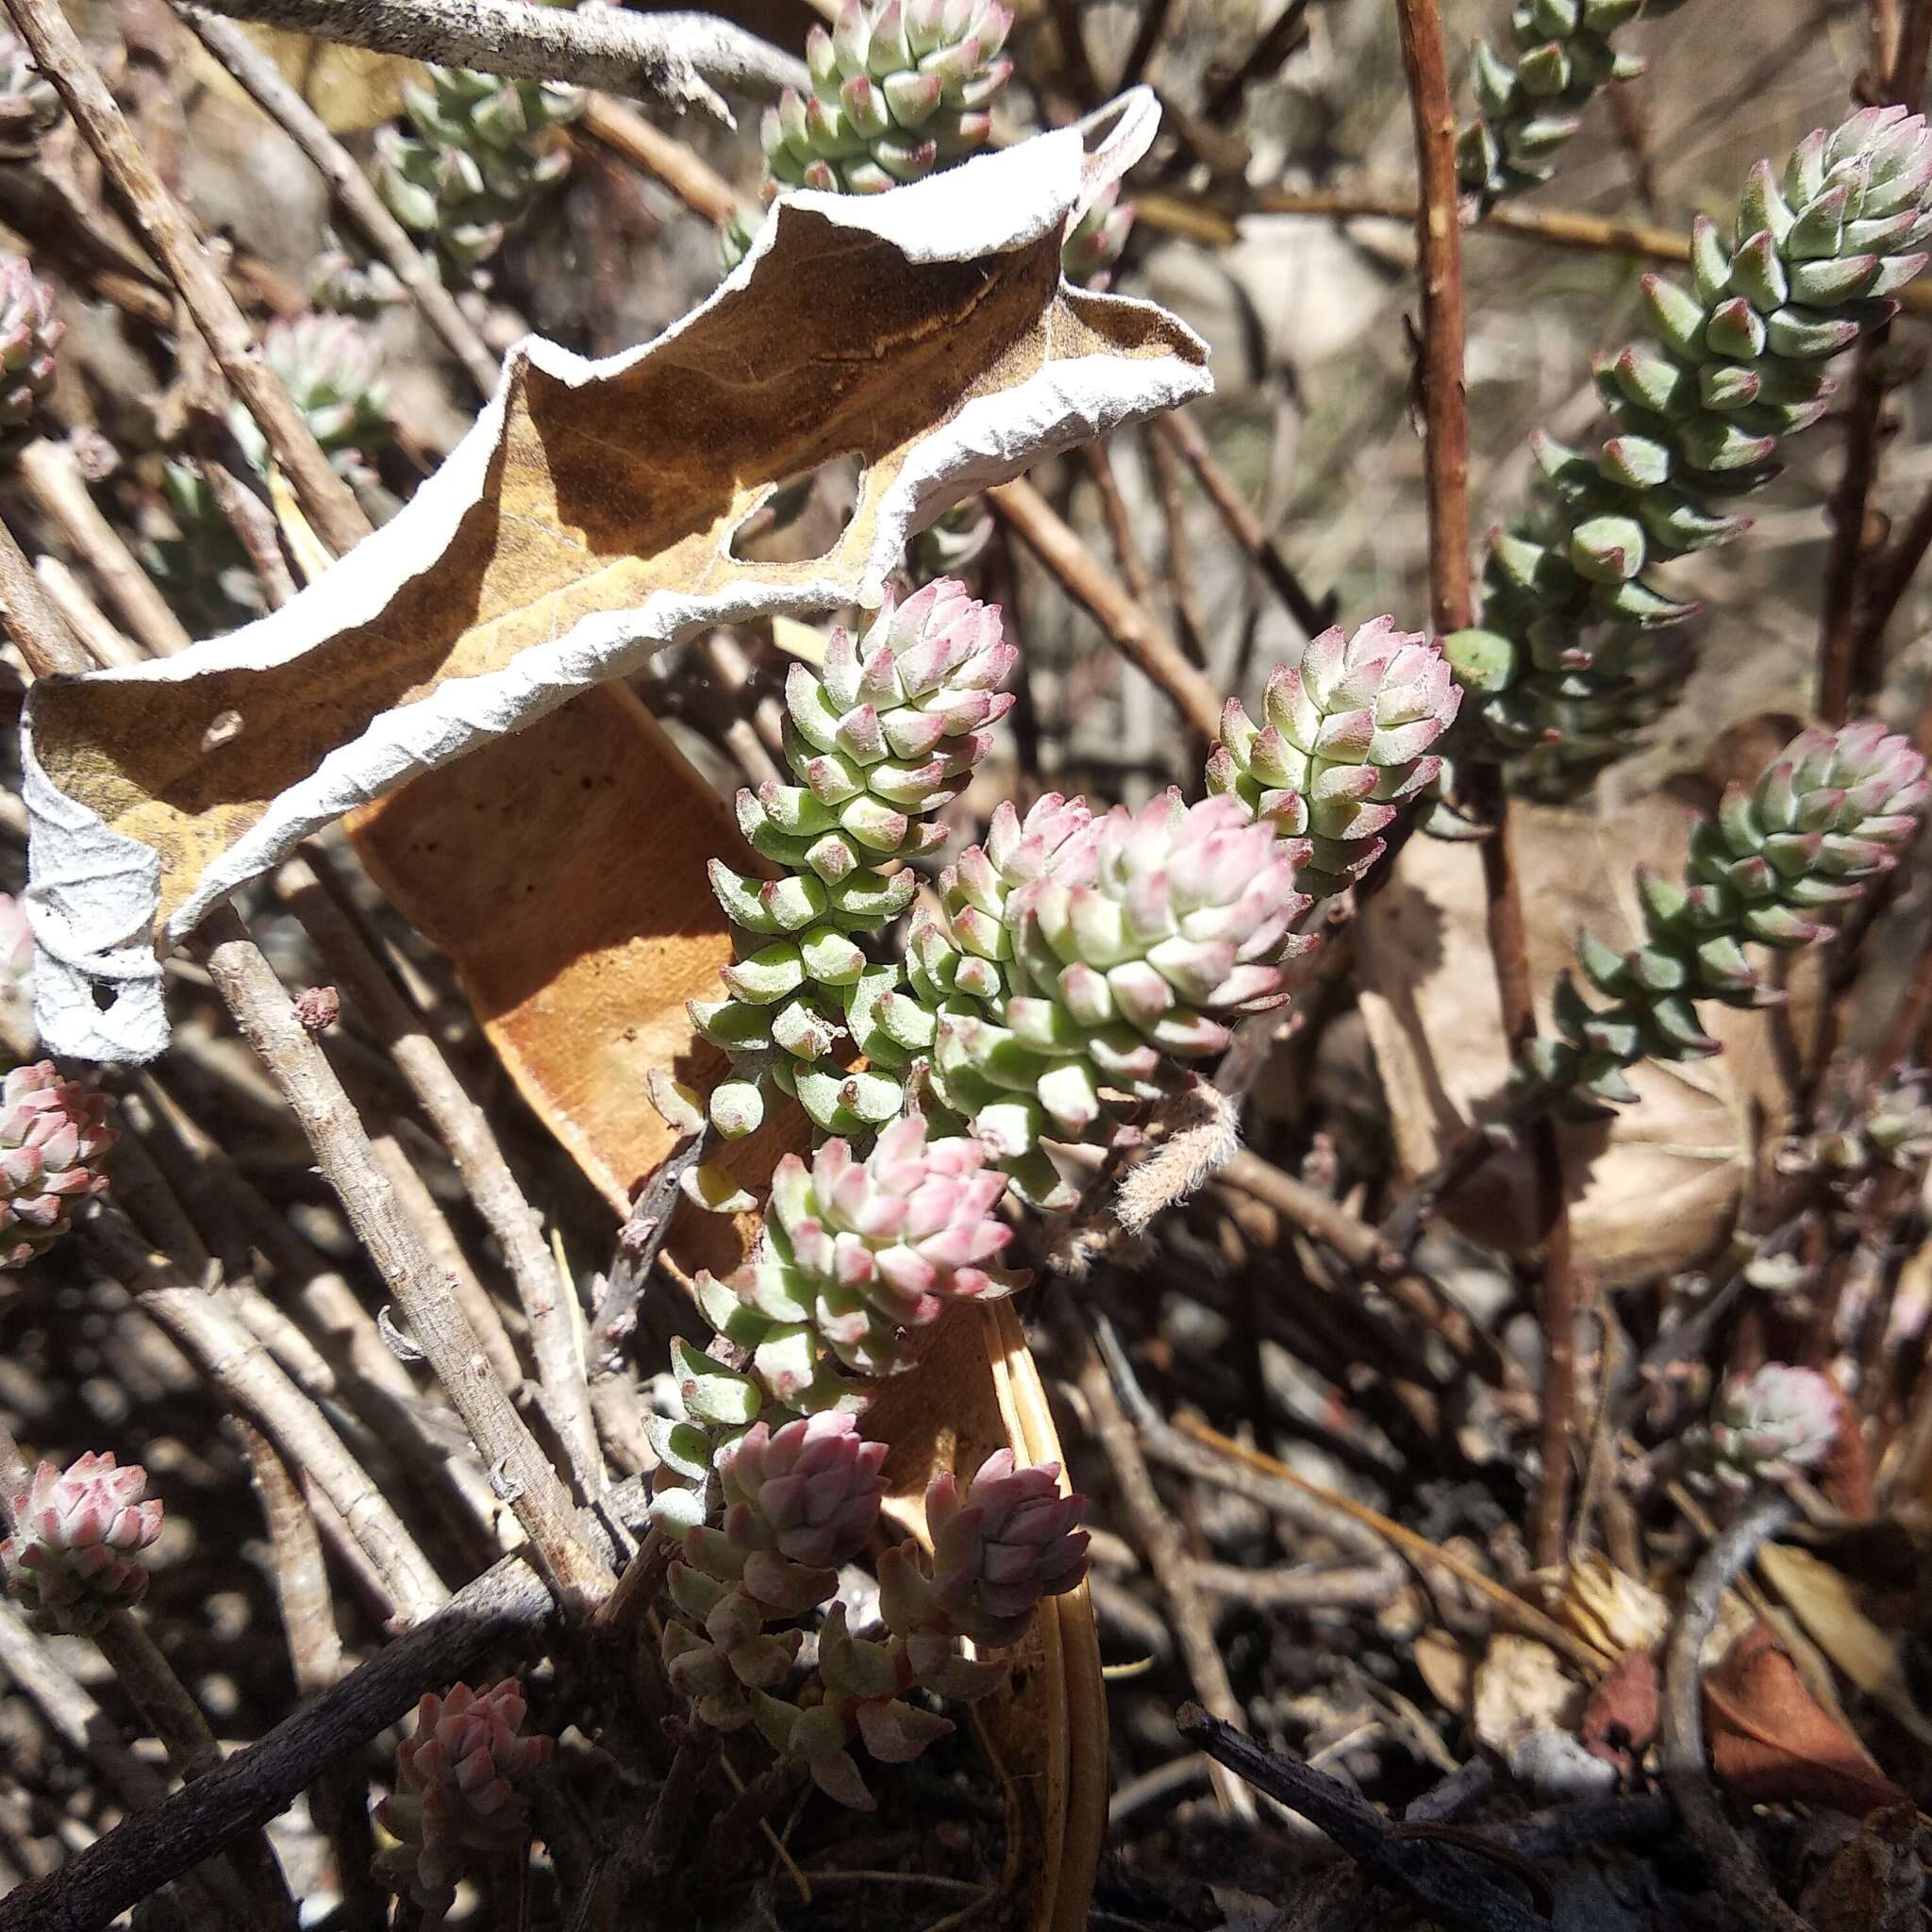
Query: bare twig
point(1153, 23)
point(1311, 613)
point(323, 906)
point(328, 500)
point(1159, 1537)
point(258, 74)
point(251, 1381)
point(1419, 1859)
point(1738, 1875)
point(104, 644)
point(33, 621)
point(505, 1606)
point(680, 57)
point(53, 475)
point(1128, 626)
point(266, 1016)
point(688, 176)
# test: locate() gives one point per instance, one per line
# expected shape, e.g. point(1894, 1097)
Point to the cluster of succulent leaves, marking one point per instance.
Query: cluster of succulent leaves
point(1772, 867)
point(1528, 109)
point(480, 150)
point(1568, 661)
point(78, 1538)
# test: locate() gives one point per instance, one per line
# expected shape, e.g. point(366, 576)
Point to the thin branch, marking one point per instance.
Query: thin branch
point(40, 633)
point(1311, 613)
point(328, 500)
point(681, 169)
point(1445, 412)
point(1129, 626)
point(53, 478)
point(1153, 23)
point(1159, 1537)
point(504, 1607)
point(266, 1016)
point(322, 904)
point(680, 57)
point(1739, 1877)
point(262, 79)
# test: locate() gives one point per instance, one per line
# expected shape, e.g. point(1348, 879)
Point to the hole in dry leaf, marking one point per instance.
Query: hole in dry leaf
point(221, 727)
point(806, 516)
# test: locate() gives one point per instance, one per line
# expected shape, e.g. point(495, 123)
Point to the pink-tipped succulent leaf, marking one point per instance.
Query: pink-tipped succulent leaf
point(53, 1134)
point(77, 1542)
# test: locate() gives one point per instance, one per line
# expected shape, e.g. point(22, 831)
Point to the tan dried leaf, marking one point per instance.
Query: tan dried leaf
point(1656, 1187)
point(588, 520)
point(1521, 1686)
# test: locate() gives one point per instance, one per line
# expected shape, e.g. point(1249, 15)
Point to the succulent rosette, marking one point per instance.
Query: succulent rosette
point(53, 1134)
point(1341, 746)
point(456, 1793)
point(858, 1259)
point(30, 333)
point(1776, 865)
point(79, 1535)
point(1768, 1427)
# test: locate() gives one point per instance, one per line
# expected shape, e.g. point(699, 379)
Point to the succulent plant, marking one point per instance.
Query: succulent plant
point(332, 368)
point(455, 1792)
point(1526, 111)
point(28, 103)
point(880, 740)
point(1090, 955)
point(1007, 1543)
point(79, 1534)
point(1342, 744)
point(1012, 1539)
point(1566, 659)
point(799, 1501)
point(1774, 865)
point(1767, 1427)
point(202, 570)
point(30, 333)
point(483, 150)
point(53, 1134)
point(1097, 239)
point(898, 89)
point(858, 1259)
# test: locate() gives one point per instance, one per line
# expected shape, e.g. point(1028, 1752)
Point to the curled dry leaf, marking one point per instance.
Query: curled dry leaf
point(1609, 1608)
point(1772, 1743)
point(1522, 1687)
point(1620, 1715)
point(587, 520)
point(1822, 1597)
point(1655, 1188)
point(1045, 1730)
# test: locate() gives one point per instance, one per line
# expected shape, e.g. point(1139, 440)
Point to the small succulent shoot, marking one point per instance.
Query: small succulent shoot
point(898, 90)
point(880, 740)
point(1776, 865)
point(331, 367)
point(1089, 958)
point(1766, 1427)
point(1341, 748)
point(78, 1538)
point(1528, 110)
point(1567, 661)
point(30, 334)
point(483, 150)
point(52, 1135)
point(457, 1796)
point(999, 1549)
point(859, 1259)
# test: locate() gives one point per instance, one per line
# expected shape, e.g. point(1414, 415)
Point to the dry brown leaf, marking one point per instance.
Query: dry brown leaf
point(1445, 1665)
point(1611, 1609)
point(1820, 1597)
point(1657, 1187)
point(353, 89)
point(585, 520)
point(1521, 1686)
point(1772, 1742)
point(978, 1389)
point(1620, 1715)
point(578, 942)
